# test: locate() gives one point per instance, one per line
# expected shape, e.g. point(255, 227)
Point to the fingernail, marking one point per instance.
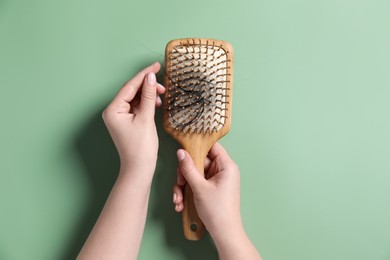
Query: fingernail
point(151, 78)
point(180, 155)
point(174, 197)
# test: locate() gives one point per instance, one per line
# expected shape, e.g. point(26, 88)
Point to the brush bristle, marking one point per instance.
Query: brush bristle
point(197, 93)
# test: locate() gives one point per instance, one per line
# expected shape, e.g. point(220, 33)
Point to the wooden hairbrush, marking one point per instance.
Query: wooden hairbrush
point(198, 105)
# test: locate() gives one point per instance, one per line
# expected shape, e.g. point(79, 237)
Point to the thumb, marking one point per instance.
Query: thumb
point(189, 171)
point(148, 96)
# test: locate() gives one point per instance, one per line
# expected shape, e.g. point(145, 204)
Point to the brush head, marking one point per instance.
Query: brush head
point(198, 78)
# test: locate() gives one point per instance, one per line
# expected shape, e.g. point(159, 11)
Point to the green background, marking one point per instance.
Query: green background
point(310, 132)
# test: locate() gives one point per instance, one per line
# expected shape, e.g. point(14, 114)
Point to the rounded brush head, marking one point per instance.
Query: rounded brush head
point(198, 80)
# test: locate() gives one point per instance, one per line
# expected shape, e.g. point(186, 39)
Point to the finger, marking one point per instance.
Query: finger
point(148, 96)
point(177, 194)
point(160, 89)
point(179, 207)
point(189, 171)
point(217, 151)
point(180, 179)
point(131, 87)
point(208, 172)
point(178, 198)
point(207, 163)
point(158, 101)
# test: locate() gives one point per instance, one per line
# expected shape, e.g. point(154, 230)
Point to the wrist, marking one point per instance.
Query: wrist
point(225, 234)
point(140, 175)
point(142, 162)
point(235, 244)
point(137, 165)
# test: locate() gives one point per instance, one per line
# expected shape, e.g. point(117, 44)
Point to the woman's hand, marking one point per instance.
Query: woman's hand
point(130, 120)
point(217, 201)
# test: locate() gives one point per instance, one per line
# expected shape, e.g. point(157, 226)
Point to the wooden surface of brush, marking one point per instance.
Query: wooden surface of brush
point(198, 105)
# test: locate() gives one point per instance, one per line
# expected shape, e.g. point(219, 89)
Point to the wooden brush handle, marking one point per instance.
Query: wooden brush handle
point(192, 225)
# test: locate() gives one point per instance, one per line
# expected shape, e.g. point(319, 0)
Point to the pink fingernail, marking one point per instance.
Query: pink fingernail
point(180, 155)
point(174, 197)
point(151, 78)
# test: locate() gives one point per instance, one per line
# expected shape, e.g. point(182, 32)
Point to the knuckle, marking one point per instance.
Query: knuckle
point(234, 167)
point(187, 169)
point(149, 93)
point(108, 115)
point(149, 96)
point(105, 114)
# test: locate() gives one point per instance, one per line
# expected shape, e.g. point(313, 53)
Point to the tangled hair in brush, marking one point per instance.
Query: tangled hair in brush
point(197, 92)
